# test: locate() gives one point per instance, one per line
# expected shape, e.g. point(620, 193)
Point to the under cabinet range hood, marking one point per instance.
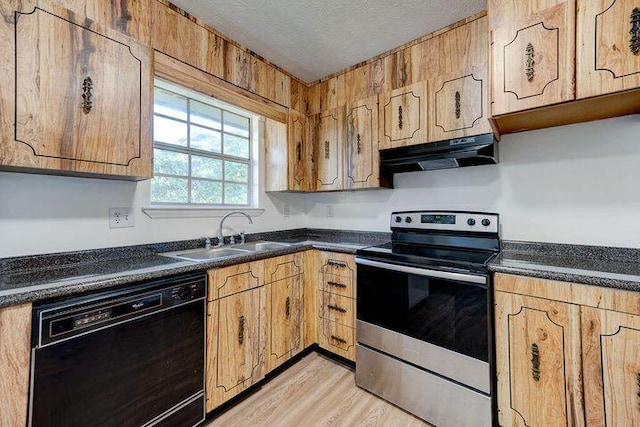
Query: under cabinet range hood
point(453, 153)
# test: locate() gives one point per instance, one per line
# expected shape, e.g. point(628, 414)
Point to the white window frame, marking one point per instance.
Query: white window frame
point(172, 210)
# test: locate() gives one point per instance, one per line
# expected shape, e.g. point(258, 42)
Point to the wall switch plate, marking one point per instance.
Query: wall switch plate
point(121, 218)
point(329, 211)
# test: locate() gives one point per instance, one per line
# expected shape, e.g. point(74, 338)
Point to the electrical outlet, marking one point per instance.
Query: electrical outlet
point(285, 210)
point(329, 211)
point(121, 218)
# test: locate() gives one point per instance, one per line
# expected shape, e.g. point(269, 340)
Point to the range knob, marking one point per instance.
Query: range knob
point(486, 222)
point(471, 221)
point(407, 220)
point(398, 219)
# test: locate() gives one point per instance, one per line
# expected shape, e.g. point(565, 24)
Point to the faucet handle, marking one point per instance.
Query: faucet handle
point(232, 240)
point(242, 237)
point(207, 243)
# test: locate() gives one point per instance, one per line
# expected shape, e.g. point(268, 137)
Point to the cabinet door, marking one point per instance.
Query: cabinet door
point(611, 363)
point(276, 153)
point(235, 345)
point(537, 361)
point(299, 157)
point(362, 155)
point(458, 104)
point(284, 317)
point(327, 130)
point(403, 116)
point(608, 57)
point(81, 97)
point(533, 54)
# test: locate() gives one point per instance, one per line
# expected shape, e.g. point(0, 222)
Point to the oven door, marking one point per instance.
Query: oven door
point(437, 320)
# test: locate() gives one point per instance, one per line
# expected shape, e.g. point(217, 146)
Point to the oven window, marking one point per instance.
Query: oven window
point(445, 313)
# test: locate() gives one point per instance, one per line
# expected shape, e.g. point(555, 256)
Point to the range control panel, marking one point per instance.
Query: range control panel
point(440, 220)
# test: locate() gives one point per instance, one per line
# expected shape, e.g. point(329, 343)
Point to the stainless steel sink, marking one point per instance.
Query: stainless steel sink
point(262, 246)
point(203, 255)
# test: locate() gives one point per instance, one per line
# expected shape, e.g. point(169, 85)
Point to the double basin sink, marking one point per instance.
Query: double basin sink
point(218, 253)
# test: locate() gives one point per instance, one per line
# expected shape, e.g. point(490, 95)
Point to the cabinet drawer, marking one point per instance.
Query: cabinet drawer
point(233, 279)
point(338, 273)
point(337, 309)
point(338, 339)
point(338, 285)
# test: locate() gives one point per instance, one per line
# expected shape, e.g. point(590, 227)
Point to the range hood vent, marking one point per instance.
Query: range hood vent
point(454, 153)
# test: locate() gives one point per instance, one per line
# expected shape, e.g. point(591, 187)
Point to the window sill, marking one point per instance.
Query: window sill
point(163, 212)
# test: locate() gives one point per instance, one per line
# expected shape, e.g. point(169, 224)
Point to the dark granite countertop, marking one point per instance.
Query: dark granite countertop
point(592, 265)
point(40, 277)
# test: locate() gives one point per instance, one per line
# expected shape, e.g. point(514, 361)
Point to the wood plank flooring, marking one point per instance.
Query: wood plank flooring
point(316, 391)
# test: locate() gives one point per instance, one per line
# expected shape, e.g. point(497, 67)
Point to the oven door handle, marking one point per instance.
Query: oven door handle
point(462, 277)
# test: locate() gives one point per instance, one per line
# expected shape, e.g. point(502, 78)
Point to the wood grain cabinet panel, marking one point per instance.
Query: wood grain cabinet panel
point(459, 104)
point(15, 355)
point(403, 116)
point(338, 339)
point(235, 345)
point(533, 54)
point(327, 130)
point(362, 149)
point(233, 279)
point(608, 57)
point(537, 361)
point(299, 153)
point(337, 309)
point(611, 360)
point(81, 98)
point(276, 153)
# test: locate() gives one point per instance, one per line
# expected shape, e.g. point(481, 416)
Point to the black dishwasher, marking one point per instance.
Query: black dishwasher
point(130, 357)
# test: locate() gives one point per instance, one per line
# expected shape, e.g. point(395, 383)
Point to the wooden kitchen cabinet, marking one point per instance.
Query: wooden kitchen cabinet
point(538, 361)
point(284, 316)
point(299, 152)
point(362, 157)
point(533, 54)
point(236, 313)
point(608, 54)
point(403, 116)
point(77, 97)
point(327, 133)
point(15, 357)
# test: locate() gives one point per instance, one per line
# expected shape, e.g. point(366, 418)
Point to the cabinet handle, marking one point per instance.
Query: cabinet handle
point(326, 149)
point(336, 264)
point(634, 43)
point(241, 321)
point(457, 104)
point(87, 87)
point(400, 117)
point(337, 285)
point(358, 145)
point(338, 339)
point(287, 308)
point(535, 362)
point(336, 308)
point(529, 52)
point(299, 150)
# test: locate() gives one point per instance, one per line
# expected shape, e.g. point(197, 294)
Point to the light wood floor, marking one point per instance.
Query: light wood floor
point(316, 391)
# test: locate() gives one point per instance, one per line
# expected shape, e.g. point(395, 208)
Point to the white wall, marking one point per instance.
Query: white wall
point(571, 184)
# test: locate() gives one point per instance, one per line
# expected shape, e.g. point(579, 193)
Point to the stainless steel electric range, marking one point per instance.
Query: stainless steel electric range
point(423, 316)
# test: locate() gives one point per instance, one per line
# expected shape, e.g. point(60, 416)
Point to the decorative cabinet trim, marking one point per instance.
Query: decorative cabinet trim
point(611, 46)
point(463, 102)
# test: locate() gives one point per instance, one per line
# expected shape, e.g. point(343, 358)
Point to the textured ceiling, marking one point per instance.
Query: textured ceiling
point(311, 39)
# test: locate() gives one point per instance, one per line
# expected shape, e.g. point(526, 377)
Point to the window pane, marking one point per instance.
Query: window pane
point(238, 172)
point(206, 192)
point(206, 115)
point(236, 194)
point(170, 162)
point(205, 139)
point(236, 124)
point(169, 131)
point(169, 190)
point(236, 146)
point(205, 167)
point(169, 104)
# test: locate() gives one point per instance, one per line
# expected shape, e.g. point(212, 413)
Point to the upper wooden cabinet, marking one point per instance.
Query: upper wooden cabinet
point(608, 57)
point(362, 155)
point(77, 97)
point(327, 130)
point(533, 53)
point(403, 116)
point(299, 153)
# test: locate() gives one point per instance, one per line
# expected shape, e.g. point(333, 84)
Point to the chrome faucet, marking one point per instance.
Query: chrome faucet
point(220, 236)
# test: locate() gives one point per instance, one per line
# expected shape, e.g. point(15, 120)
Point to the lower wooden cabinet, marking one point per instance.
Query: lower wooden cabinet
point(566, 354)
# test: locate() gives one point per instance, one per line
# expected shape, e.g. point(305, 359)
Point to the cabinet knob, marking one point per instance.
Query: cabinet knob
point(634, 43)
point(535, 362)
point(241, 322)
point(400, 117)
point(358, 147)
point(457, 101)
point(87, 87)
point(530, 61)
point(287, 307)
point(326, 150)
